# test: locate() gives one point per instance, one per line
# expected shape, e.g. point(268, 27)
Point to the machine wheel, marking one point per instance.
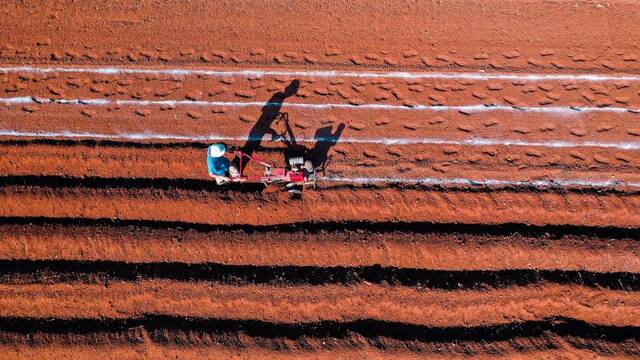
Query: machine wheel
point(233, 172)
point(308, 166)
point(295, 193)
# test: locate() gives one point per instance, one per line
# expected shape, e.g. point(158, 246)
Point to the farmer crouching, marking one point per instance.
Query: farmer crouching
point(217, 164)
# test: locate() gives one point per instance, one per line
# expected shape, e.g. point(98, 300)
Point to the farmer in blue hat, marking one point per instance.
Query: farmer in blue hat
point(217, 164)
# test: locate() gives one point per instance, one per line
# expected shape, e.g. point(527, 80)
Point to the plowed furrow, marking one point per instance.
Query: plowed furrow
point(162, 335)
point(414, 161)
point(126, 352)
point(308, 304)
point(23, 272)
point(400, 245)
point(203, 202)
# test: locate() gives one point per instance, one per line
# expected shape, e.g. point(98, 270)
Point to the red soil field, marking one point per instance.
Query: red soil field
point(480, 195)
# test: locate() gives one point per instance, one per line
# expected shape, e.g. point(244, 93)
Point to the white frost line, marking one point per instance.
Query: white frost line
point(475, 141)
point(436, 108)
point(327, 74)
point(554, 183)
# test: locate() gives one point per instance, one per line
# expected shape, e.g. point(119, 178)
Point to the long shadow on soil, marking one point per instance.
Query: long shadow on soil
point(52, 271)
point(269, 114)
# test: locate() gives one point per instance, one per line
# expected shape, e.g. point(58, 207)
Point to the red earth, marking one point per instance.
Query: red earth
point(480, 194)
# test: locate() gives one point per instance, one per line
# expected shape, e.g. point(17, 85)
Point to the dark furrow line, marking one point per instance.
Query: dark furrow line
point(143, 144)
point(185, 331)
point(71, 271)
point(546, 232)
point(65, 182)
point(200, 145)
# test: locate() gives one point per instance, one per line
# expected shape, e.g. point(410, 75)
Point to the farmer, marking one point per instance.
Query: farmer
point(217, 164)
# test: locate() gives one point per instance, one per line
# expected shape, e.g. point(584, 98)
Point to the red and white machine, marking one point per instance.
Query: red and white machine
point(297, 175)
point(298, 171)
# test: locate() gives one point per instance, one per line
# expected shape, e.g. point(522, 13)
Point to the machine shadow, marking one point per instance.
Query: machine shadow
point(325, 137)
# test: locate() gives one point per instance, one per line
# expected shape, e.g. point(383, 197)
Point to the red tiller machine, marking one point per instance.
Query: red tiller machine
point(298, 172)
point(296, 176)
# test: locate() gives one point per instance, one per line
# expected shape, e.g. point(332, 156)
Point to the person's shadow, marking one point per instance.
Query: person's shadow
point(270, 112)
point(324, 137)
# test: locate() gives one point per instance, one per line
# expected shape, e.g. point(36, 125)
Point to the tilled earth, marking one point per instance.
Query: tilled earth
point(480, 192)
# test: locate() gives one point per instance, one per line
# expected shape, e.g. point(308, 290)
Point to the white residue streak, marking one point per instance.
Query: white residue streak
point(473, 141)
point(553, 183)
point(327, 74)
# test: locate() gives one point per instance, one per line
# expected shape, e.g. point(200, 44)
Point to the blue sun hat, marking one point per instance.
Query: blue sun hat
point(216, 150)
